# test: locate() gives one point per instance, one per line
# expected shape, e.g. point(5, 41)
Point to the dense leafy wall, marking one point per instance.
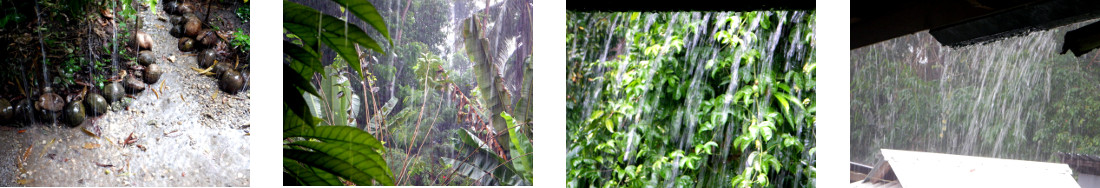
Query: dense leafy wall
point(691, 99)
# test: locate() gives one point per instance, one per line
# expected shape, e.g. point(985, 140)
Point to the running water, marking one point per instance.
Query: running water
point(606, 41)
point(1016, 98)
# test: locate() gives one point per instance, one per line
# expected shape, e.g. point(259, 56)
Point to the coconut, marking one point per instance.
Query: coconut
point(206, 58)
point(186, 44)
point(231, 82)
point(152, 73)
point(184, 8)
point(193, 26)
point(207, 37)
point(7, 112)
point(147, 58)
point(113, 92)
point(50, 102)
point(175, 19)
point(74, 113)
point(23, 110)
point(172, 7)
point(176, 31)
point(97, 104)
point(222, 68)
point(133, 85)
point(144, 41)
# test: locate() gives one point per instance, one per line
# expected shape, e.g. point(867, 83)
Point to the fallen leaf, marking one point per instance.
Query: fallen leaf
point(89, 145)
point(28, 152)
point(94, 132)
point(22, 131)
point(130, 139)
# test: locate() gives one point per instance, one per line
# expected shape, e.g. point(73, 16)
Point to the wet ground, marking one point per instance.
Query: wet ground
point(186, 133)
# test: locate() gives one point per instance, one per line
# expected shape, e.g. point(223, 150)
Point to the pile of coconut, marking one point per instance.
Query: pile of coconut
point(194, 35)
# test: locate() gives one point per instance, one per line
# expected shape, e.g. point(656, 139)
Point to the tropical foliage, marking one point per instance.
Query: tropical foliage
point(433, 116)
point(691, 99)
point(324, 154)
point(1016, 98)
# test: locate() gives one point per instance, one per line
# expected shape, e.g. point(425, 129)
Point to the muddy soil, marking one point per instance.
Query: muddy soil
point(186, 133)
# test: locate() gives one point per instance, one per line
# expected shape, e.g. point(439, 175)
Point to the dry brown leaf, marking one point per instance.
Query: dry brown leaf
point(89, 145)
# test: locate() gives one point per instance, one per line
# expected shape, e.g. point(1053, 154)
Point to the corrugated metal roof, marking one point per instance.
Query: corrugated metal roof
point(922, 169)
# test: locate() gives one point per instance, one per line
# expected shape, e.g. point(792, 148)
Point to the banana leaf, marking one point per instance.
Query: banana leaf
point(521, 145)
point(489, 79)
point(484, 162)
point(375, 122)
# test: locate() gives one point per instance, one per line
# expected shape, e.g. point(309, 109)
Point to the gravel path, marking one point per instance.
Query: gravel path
point(188, 133)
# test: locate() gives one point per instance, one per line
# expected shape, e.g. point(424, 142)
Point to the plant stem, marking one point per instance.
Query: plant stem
point(423, 103)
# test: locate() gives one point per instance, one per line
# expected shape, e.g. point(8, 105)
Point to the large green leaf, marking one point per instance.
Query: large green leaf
point(337, 96)
point(298, 78)
point(520, 146)
point(489, 79)
point(308, 175)
point(525, 106)
point(366, 150)
point(303, 61)
point(375, 122)
point(331, 164)
point(469, 170)
point(311, 25)
point(366, 160)
point(295, 122)
point(486, 160)
point(292, 90)
point(338, 133)
point(367, 12)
